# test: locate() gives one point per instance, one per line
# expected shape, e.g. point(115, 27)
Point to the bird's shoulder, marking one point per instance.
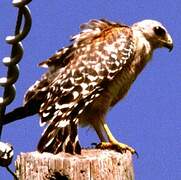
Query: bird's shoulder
point(91, 34)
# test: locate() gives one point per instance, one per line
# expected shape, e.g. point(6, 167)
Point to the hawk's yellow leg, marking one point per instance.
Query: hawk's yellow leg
point(113, 143)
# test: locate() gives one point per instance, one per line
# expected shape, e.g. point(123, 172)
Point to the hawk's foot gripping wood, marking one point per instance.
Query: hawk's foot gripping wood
point(117, 146)
point(113, 143)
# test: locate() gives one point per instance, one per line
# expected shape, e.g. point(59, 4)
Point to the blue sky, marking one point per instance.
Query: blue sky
point(147, 119)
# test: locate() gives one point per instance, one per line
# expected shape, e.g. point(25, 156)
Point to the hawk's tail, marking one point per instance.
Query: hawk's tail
point(60, 136)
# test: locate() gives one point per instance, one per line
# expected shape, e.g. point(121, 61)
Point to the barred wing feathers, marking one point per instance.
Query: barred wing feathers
point(97, 54)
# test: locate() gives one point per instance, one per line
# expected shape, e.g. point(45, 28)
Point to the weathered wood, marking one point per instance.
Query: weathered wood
point(92, 164)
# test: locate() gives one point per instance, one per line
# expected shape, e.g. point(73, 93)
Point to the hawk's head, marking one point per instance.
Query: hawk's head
point(155, 33)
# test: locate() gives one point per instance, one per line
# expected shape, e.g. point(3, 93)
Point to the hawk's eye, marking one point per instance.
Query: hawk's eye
point(159, 31)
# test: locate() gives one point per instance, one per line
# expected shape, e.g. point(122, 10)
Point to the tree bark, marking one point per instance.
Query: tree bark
point(92, 164)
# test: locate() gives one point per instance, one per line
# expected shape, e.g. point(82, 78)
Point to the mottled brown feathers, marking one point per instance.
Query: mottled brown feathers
point(88, 77)
point(82, 70)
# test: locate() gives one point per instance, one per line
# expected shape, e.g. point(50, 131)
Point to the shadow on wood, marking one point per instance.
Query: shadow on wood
point(92, 164)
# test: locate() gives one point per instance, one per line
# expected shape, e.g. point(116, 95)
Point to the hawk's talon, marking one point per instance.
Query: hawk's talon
point(119, 147)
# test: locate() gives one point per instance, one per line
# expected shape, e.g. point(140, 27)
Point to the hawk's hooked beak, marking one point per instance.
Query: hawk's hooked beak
point(168, 43)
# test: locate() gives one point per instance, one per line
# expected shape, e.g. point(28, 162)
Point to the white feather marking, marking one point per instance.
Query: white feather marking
point(120, 48)
point(124, 62)
point(112, 71)
point(48, 95)
point(75, 105)
point(127, 50)
point(75, 94)
point(110, 77)
point(68, 113)
point(73, 71)
point(49, 107)
point(80, 111)
point(76, 120)
point(81, 68)
point(83, 49)
point(62, 124)
point(65, 143)
point(124, 53)
point(123, 58)
point(67, 89)
point(117, 63)
point(72, 80)
point(45, 114)
point(96, 95)
point(78, 78)
point(42, 105)
point(44, 66)
point(42, 123)
point(114, 56)
point(87, 30)
point(85, 92)
point(76, 138)
point(62, 106)
point(98, 67)
point(110, 48)
point(84, 85)
point(90, 100)
point(92, 78)
point(49, 142)
point(87, 103)
point(99, 53)
point(58, 113)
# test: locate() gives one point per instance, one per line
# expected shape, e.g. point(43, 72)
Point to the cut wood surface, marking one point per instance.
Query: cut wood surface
point(92, 164)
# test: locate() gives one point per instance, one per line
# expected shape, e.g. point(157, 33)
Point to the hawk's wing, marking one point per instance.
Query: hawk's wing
point(97, 54)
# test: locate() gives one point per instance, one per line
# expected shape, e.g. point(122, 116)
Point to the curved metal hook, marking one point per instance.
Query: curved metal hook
point(27, 26)
point(7, 61)
point(13, 76)
point(7, 99)
point(20, 3)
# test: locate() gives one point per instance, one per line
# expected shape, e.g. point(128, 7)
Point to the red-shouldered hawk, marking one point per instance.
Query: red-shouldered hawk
point(87, 78)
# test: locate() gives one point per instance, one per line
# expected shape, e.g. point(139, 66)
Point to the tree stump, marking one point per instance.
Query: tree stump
point(92, 164)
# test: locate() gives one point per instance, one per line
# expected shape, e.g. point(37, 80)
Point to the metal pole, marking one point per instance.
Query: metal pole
point(16, 55)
